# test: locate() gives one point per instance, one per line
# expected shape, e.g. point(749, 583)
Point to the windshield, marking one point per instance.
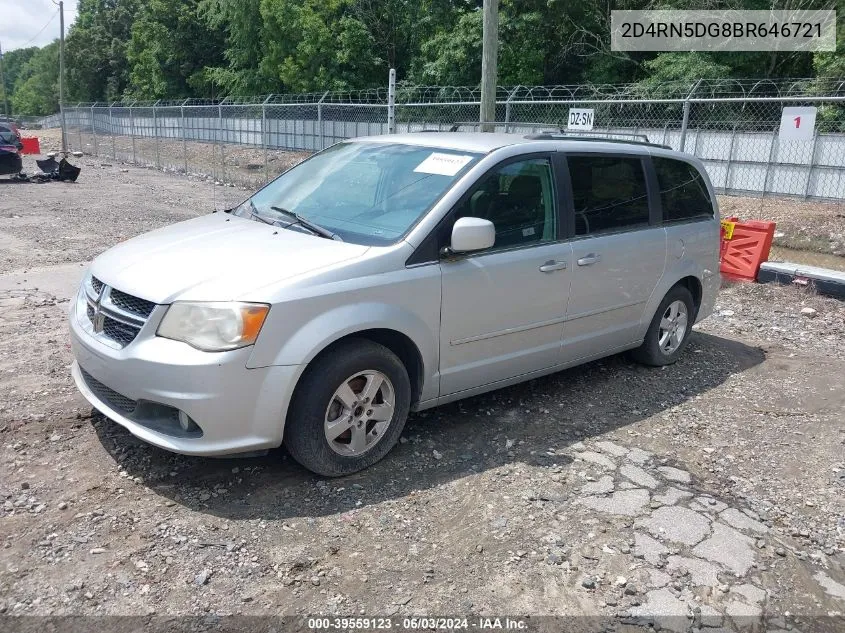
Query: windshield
point(365, 193)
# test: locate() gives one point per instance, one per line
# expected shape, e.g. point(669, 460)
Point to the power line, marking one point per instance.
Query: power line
point(52, 17)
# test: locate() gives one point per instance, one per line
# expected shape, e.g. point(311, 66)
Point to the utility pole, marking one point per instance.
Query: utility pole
point(489, 54)
point(3, 84)
point(62, 74)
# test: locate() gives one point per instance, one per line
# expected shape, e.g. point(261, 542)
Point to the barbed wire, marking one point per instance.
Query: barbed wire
point(408, 94)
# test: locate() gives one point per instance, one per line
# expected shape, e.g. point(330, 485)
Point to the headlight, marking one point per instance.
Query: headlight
point(213, 327)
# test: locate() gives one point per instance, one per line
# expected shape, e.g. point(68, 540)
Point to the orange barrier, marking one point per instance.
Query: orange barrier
point(745, 248)
point(31, 145)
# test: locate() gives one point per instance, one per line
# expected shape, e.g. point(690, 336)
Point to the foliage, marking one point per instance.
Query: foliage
point(95, 50)
point(168, 49)
point(37, 83)
point(13, 63)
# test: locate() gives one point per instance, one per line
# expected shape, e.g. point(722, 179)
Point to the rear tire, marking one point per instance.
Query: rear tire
point(349, 408)
point(668, 333)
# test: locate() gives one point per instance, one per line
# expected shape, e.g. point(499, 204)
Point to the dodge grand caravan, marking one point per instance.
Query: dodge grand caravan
point(390, 274)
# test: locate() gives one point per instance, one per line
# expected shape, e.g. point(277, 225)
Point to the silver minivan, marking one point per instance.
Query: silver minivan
point(390, 274)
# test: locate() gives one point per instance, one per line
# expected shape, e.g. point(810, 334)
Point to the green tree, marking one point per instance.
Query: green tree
point(241, 72)
point(170, 49)
point(95, 51)
point(13, 63)
point(318, 45)
point(37, 85)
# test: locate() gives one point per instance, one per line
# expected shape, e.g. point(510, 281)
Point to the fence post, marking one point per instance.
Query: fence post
point(320, 120)
point(220, 139)
point(184, 135)
point(685, 120)
point(775, 132)
point(730, 157)
point(391, 101)
point(94, 131)
point(812, 163)
point(155, 132)
point(264, 141)
point(79, 125)
point(684, 124)
point(112, 131)
point(132, 129)
point(508, 109)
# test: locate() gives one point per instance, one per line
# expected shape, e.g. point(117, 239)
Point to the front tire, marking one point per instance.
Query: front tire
point(349, 408)
point(668, 333)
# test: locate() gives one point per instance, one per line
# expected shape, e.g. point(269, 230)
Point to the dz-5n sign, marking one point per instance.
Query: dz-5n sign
point(581, 119)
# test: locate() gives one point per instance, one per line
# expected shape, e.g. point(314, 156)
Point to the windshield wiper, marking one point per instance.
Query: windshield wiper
point(314, 228)
point(254, 213)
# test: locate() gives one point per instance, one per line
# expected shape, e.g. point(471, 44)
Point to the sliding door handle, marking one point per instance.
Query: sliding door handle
point(551, 266)
point(590, 259)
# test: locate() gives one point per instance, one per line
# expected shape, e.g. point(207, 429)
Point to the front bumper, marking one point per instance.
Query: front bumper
point(237, 409)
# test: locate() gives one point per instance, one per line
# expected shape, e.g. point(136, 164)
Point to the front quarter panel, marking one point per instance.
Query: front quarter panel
point(310, 318)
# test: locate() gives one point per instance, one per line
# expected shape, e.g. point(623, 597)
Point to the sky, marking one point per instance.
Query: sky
point(21, 21)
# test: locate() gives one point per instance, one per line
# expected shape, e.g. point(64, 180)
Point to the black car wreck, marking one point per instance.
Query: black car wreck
point(10, 158)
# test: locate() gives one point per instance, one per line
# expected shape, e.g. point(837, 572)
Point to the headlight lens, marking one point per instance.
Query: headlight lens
point(214, 327)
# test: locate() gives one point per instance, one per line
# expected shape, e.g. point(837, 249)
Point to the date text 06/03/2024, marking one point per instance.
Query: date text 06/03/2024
point(421, 623)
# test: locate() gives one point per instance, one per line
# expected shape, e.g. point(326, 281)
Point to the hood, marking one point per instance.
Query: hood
point(216, 257)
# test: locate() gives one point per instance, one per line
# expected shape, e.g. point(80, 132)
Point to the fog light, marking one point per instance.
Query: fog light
point(186, 422)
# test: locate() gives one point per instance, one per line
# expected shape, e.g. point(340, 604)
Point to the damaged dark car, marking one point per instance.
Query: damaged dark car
point(10, 157)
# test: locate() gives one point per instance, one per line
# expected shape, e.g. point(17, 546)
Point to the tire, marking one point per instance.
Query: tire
point(317, 410)
point(652, 352)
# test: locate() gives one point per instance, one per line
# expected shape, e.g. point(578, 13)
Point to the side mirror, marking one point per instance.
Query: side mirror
point(472, 234)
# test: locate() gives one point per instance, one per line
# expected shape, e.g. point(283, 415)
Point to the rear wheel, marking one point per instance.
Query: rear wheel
point(668, 333)
point(349, 408)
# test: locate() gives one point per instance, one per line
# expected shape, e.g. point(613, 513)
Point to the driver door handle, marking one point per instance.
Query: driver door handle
point(552, 265)
point(590, 259)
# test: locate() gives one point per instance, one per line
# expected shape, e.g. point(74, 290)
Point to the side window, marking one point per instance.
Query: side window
point(609, 193)
point(683, 192)
point(519, 200)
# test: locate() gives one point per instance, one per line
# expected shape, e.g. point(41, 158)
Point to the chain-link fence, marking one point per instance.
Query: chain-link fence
point(733, 126)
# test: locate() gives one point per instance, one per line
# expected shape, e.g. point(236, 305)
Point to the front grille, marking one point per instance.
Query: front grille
point(109, 396)
point(120, 332)
point(135, 305)
point(115, 316)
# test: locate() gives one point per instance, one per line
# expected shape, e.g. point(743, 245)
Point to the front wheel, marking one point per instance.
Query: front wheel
point(668, 333)
point(349, 408)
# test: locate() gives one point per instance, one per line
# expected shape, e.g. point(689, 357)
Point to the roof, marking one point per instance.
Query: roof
point(485, 142)
point(461, 141)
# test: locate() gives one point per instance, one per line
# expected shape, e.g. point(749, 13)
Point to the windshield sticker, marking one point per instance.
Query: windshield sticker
point(442, 164)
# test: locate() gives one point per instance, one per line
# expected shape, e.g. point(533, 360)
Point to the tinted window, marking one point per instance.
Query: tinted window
point(683, 193)
point(519, 200)
point(609, 193)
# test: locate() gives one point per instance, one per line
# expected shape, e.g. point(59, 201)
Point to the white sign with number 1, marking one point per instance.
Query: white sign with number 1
point(797, 124)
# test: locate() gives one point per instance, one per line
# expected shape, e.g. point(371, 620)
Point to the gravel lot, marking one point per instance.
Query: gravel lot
point(709, 493)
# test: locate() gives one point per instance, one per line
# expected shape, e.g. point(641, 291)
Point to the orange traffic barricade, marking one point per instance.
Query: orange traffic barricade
point(30, 145)
point(745, 246)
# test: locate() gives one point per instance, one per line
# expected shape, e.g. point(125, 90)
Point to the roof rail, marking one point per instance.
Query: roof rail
point(549, 136)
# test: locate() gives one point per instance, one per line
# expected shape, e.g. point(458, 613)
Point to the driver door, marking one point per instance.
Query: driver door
point(502, 309)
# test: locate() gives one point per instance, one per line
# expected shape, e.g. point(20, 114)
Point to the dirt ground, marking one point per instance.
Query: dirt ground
point(617, 497)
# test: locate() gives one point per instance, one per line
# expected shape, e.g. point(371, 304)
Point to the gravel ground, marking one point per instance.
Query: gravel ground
point(708, 493)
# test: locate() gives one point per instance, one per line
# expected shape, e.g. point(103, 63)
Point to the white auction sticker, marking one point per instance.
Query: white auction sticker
point(442, 164)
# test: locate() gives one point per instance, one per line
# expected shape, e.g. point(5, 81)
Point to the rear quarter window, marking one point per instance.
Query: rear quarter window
point(683, 192)
point(608, 193)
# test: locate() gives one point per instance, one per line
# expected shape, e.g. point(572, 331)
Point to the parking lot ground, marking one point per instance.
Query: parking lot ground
point(708, 493)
